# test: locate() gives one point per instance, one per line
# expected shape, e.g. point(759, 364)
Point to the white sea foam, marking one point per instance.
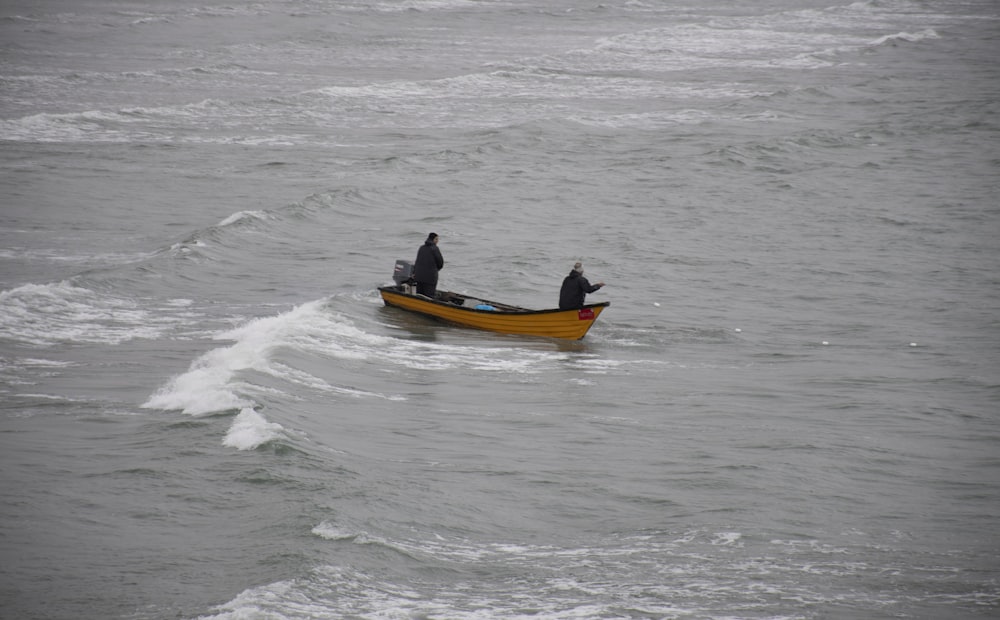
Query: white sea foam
point(46, 314)
point(330, 531)
point(420, 5)
point(51, 397)
point(125, 125)
point(243, 215)
point(250, 430)
point(727, 539)
point(44, 363)
point(61, 256)
point(206, 387)
point(929, 33)
point(56, 128)
point(691, 46)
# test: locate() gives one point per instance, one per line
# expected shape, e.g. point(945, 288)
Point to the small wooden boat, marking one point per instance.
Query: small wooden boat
point(495, 316)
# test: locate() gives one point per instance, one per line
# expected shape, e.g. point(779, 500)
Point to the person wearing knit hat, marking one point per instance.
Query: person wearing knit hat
point(575, 287)
point(425, 269)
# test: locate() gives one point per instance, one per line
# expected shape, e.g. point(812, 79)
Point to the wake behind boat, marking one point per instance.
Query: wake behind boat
point(489, 315)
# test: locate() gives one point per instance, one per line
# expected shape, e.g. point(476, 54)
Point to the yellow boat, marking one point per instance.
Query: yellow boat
point(494, 316)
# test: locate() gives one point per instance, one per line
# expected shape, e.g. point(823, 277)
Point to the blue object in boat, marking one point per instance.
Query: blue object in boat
point(485, 307)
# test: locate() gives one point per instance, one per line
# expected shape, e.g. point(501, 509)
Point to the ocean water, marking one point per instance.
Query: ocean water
point(791, 409)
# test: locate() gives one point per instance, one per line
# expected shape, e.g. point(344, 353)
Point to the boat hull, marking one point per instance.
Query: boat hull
point(503, 318)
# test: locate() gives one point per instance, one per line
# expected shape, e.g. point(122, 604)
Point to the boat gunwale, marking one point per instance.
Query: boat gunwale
point(499, 307)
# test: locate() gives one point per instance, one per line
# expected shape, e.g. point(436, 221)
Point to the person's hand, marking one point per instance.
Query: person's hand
point(600, 284)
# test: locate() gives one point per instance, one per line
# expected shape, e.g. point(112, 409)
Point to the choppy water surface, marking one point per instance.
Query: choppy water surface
point(788, 411)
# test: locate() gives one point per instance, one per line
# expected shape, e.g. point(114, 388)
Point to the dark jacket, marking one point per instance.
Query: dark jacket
point(429, 262)
point(574, 291)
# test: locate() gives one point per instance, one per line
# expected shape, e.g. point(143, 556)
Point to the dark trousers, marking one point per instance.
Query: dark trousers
point(427, 288)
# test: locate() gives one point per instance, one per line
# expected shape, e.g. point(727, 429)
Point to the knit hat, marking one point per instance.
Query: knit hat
point(578, 267)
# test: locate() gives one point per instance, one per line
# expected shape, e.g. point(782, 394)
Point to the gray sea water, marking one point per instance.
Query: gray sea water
point(789, 411)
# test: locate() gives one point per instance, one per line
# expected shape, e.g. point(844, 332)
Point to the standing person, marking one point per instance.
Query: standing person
point(574, 289)
point(429, 262)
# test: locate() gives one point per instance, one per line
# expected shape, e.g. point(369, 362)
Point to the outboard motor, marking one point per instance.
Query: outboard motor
point(402, 275)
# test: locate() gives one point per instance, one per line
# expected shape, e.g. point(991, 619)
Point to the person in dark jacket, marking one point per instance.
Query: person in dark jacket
point(574, 289)
point(429, 262)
